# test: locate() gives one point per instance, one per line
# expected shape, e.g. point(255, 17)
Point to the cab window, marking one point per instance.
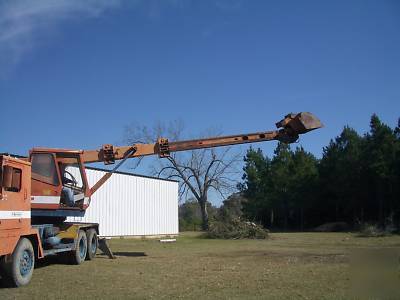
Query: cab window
point(15, 181)
point(44, 168)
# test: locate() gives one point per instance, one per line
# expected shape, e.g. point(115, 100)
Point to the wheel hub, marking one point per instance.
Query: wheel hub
point(25, 263)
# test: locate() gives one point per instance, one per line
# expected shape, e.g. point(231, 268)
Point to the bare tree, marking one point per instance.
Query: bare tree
point(198, 171)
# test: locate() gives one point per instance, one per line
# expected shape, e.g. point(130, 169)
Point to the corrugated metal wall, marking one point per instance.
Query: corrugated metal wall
point(129, 205)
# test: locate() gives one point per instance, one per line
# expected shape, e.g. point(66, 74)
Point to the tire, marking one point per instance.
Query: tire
point(92, 243)
point(18, 270)
point(79, 254)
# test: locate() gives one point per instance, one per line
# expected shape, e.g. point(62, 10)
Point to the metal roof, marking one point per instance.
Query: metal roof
point(131, 174)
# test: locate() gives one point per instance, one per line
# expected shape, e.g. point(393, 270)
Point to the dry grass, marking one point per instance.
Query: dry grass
point(287, 266)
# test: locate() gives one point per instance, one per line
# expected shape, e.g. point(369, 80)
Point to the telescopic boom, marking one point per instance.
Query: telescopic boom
point(290, 128)
point(288, 131)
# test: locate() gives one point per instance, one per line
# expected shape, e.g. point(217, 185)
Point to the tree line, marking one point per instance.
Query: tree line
point(357, 180)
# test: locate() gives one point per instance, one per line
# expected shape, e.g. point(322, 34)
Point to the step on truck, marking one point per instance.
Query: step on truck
point(38, 193)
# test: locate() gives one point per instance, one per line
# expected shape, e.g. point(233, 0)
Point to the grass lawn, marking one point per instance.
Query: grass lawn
point(287, 266)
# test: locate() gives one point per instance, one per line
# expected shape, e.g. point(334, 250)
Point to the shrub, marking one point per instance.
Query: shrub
point(236, 229)
point(371, 230)
point(189, 225)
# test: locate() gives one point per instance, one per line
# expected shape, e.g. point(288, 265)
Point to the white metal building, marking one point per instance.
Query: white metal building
point(132, 205)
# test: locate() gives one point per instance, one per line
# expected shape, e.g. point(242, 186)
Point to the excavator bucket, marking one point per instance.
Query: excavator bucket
point(300, 123)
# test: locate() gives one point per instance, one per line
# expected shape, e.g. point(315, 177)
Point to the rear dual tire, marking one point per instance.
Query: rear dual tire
point(79, 254)
point(86, 246)
point(93, 244)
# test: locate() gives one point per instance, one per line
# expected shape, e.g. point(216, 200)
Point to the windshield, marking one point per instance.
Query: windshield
point(71, 173)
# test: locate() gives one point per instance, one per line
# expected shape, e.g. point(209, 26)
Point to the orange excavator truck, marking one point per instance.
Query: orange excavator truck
point(38, 193)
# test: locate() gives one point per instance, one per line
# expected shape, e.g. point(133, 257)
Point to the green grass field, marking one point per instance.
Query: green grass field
point(287, 266)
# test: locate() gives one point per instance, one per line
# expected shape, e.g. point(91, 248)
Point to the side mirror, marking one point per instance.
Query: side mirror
point(7, 177)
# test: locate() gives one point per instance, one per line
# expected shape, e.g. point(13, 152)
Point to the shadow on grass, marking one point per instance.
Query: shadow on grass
point(129, 254)
point(4, 284)
point(60, 259)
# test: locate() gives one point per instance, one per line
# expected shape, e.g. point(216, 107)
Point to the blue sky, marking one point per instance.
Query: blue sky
point(74, 73)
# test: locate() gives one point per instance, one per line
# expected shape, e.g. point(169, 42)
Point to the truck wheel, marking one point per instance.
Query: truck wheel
point(19, 270)
point(78, 255)
point(92, 242)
